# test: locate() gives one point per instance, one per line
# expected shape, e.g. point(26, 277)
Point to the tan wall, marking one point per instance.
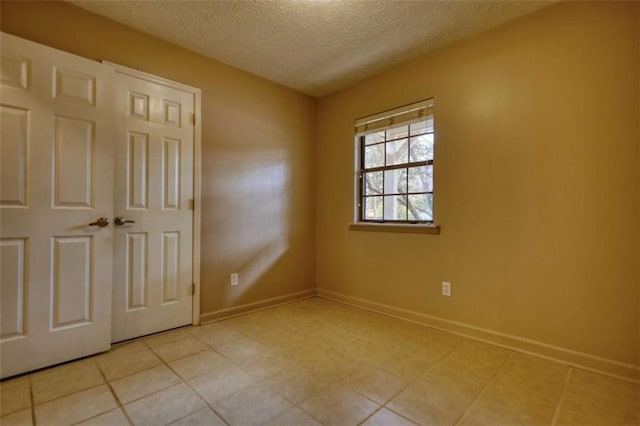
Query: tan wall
point(257, 143)
point(536, 180)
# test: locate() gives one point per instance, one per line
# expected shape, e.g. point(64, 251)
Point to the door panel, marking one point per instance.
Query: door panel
point(12, 296)
point(13, 161)
point(153, 187)
point(73, 162)
point(56, 178)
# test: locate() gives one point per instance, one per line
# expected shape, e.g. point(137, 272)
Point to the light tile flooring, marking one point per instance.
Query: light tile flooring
point(315, 362)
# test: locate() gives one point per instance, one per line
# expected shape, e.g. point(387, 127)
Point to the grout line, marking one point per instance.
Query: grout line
point(423, 374)
point(32, 401)
point(485, 388)
point(126, 415)
point(68, 394)
point(403, 388)
point(186, 383)
point(556, 414)
point(376, 411)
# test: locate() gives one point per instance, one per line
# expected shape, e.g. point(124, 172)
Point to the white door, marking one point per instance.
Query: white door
point(154, 140)
point(56, 177)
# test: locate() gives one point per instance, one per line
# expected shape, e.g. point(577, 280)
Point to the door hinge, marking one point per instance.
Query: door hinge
point(193, 289)
point(192, 203)
point(193, 118)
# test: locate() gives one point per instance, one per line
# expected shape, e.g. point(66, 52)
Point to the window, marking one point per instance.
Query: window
point(395, 165)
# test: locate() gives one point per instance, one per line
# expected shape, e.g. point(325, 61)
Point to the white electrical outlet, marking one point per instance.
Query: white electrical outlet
point(446, 288)
point(234, 278)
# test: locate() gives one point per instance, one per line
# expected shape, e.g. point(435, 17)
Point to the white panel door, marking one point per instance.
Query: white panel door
point(56, 177)
point(153, 189)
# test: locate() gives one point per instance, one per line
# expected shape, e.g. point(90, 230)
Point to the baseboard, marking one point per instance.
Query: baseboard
point(583, 360)
point(256, 306)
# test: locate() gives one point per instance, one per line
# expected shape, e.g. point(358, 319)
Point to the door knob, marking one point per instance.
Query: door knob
point(101, 222)
point(119, 221)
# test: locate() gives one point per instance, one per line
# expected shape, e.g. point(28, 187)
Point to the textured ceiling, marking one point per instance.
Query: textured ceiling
point(313, 46)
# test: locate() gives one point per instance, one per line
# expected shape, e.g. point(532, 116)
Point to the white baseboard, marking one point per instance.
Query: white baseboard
point(583, 360)
point(256, 306)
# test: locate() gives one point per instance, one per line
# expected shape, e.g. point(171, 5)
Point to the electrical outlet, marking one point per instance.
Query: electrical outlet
point(446, 288)
point(234, 278)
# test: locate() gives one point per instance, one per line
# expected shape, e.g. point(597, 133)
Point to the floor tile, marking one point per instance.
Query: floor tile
point(111, 418)
point(600, 398)
point(294, 417)
point(63, 368)
point(67, 382)
point(375, 384)
point(14, 395)
point(220, 336)
point(165, 406)
point(221, 382)
point(171, 351)
point(124, 365)
point(146, 382)
point(360, 349)
point(252, 406)
point(18, 418)
point(440, 397)
point(588, 384)
point(295, 386)
point(339, 406)
point(77, 407)
point(532, 376)
point(247, 325)
point(121, 351)
point(198, 364)
point(242, 350)
point(400, 364)
point(385, 417)
point(201, 330)
point(263, 366)
point(203, 417)
point(282, 340)
point(497, 406)
point(477, 359)
point(166, 337)
point(600, 418)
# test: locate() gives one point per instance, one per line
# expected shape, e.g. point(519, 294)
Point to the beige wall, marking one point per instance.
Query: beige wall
point(257, 143)
point(536, 180)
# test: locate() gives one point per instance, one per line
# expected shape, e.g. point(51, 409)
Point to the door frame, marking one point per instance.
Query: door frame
point(197, 169)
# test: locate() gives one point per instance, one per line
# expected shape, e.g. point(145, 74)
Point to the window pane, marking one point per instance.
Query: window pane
point(395, 181)
point(420, 127)
point(372, 208)
point(421, 207)
point(421, 179)
point(398, 132)
point(397, 152)
point(372, 183)
point(372, 138)
point(395, 207)
point(374, 156)
point(421, 148)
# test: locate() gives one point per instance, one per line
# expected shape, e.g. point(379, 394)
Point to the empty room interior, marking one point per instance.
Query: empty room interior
point(320, 212)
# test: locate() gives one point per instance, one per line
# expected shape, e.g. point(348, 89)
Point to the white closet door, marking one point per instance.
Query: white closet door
point(56, 177)
point(154, 143)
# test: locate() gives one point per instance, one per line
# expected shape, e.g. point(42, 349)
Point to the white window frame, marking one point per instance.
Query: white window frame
point(394, 118)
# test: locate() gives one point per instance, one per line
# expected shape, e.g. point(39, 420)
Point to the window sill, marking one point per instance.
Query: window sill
point(392, 227)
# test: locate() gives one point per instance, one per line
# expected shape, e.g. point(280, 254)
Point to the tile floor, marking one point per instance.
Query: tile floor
point(310, 363)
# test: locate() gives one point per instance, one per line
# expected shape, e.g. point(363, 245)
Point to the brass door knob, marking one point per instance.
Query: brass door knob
point(101, 222)
point(119, 221)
